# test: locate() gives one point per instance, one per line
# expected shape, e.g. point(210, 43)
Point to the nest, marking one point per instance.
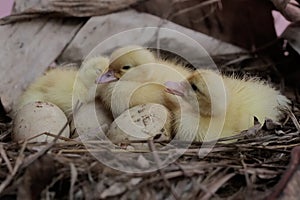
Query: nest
point(252, 164)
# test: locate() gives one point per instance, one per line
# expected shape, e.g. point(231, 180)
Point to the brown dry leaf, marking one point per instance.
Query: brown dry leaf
point(290, 9)
point(143, 162)
point(74, 8)
point(271, 125)
point(224, 20)
point(288, 187)
point(37, 176)
point(252, 132)
point(291, 192)
point(280, 4)
point(135, 181)
point(292, 35)
point(213, 188)
point(114, 190)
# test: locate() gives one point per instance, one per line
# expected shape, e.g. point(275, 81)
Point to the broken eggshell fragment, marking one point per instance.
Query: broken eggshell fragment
point(91, 120)
point(141, 122)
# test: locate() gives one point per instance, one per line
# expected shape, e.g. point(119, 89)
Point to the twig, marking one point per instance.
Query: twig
point(199, 5)
point(18, 163)
point(169, 175)
point(214, 188)
point(74, 175)
point(60, 137)
point(159, 166)
point(246, 173)
point(4, 156)
point(294, 119)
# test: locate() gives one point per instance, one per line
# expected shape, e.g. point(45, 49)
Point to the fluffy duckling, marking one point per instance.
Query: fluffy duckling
point(122, 95)
point(62, 85)
point(125, 59)
point(141, 77)
point(222, 106)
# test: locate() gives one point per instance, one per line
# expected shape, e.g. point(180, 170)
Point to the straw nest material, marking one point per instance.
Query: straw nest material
point(250, 166)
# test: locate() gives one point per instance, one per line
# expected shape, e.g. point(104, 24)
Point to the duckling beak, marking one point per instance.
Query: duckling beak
point(107, 77)
point(176, 88)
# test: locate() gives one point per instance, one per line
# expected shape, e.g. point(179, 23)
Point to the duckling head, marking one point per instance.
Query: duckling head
point(125, 59)
point(208, 89)
point(84, 85)
point(91, 68)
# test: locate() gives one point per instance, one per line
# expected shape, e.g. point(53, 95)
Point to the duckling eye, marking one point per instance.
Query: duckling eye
point(194, 87)
point(126, 67)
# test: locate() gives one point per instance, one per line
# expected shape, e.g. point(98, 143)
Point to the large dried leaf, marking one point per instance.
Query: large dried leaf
point(75, 8)
point(280, 4)
point(37, 176)
point(246, 23)
point(288, 187)
point(28, 48)
point(292, 34)
point(290, 9)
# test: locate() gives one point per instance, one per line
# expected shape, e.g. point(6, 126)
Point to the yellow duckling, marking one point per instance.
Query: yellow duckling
point(222, 106)
point(141, 77)
point(57, 85)
point(129, 57)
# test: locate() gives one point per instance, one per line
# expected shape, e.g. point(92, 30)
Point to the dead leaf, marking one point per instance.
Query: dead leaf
point(37, 176)
point(114, 190)
point(252, 132)
point(213, 188)
point(69, 8)
point(292, 35)
point(135, 181)
point(280, 4)
point(143, 162)
point(290, 9)
point(270, 125)
point(288, 186)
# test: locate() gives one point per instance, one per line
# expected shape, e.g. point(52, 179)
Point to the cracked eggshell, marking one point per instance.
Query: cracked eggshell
point(36, 118)
point(91, 119)
point(141, 123)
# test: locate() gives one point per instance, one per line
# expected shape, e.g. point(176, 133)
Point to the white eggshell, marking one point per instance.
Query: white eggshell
point(91, 119)
point(36, 118)
point(141, 123)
